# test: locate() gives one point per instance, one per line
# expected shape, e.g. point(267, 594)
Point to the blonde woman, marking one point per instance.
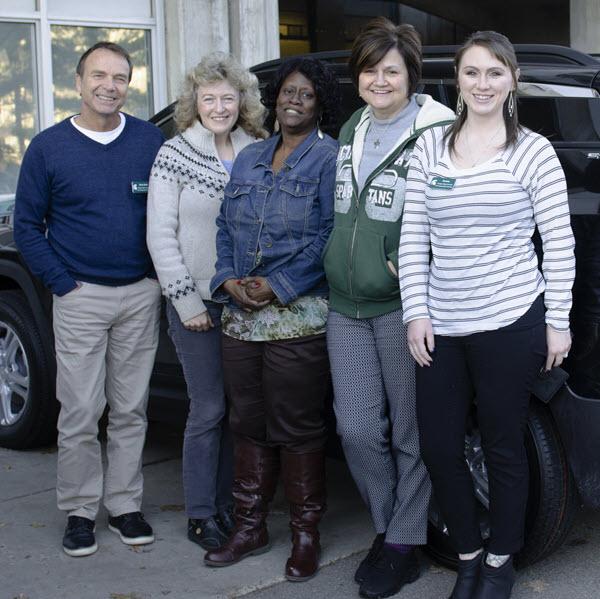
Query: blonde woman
point(217, 115)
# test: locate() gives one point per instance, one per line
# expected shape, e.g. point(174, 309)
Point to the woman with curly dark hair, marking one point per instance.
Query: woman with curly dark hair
point(275, 219)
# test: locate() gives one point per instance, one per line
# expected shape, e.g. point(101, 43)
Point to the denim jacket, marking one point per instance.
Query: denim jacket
point(276, 225)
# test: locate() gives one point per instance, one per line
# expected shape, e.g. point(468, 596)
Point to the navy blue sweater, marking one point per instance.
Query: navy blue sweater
point(87, 198)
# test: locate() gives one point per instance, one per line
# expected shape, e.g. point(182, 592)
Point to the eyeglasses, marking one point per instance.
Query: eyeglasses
point(290, 92)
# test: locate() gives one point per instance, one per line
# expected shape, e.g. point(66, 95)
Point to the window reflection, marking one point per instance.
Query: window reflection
point(18, 103)
point(69, 43)
point(309, 26)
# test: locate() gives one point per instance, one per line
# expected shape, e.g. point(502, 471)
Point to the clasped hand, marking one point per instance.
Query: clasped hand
point(250, 293)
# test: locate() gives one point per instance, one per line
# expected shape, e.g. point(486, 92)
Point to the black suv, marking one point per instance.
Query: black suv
point(559, 97)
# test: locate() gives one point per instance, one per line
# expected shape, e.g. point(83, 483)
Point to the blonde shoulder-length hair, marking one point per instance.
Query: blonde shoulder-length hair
point(214, 67)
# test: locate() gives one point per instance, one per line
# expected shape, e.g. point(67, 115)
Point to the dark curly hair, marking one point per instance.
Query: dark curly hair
point(324, 82)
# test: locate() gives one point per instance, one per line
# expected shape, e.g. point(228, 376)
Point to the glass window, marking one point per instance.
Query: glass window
point(70, 42)
point(18, 101)
point(107, 9)
point(20, 6)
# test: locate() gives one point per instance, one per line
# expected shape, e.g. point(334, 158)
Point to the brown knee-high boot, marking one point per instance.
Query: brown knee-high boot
point(304, 483)
point(256, 469)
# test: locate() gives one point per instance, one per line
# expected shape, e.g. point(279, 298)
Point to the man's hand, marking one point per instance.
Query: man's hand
point(421, 340)
point(199, 323)
point(78, 285)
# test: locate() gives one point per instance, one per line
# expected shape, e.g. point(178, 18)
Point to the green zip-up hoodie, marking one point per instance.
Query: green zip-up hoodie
point(366, 229)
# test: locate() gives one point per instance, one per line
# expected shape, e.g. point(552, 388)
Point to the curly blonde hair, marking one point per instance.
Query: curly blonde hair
point(214, 67)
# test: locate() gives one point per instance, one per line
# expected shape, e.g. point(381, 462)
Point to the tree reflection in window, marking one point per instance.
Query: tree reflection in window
point(18, 102)
point(69, 43)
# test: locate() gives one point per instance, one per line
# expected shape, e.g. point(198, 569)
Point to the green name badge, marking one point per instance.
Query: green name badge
point(442, 183)
point(139, 186)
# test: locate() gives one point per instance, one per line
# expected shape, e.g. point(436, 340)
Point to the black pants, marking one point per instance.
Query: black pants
point(277, 390)
point(496, 369)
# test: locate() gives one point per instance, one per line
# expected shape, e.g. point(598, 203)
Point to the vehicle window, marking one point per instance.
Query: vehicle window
point(168, 127)
point(562, 119)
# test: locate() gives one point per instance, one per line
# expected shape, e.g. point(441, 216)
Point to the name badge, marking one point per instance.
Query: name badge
point(139, 187)
point(442, 183)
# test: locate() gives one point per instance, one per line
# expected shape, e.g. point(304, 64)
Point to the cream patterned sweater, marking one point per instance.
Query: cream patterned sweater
point(184, 198)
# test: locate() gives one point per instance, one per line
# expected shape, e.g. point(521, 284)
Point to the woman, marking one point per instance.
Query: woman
point(274, 222)
point(373, 374)
point(477, 191)
point(218, 114)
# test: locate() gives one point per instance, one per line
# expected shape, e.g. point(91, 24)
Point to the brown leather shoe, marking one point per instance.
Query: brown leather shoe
point(255, 479)
point(304, 483)
point(243, 543)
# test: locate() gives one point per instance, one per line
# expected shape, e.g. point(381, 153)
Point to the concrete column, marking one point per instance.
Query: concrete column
point(254, 30)
point(585, 25)
point(192, 28)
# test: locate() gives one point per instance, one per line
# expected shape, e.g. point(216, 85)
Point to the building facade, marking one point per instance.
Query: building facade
point(41, 40)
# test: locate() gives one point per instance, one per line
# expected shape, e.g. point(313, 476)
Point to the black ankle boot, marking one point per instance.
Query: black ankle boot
point(467, 578)
point(495, 583)
point(390, 572)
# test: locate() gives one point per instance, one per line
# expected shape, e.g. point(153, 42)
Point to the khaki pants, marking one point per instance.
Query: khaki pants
point(106, 340)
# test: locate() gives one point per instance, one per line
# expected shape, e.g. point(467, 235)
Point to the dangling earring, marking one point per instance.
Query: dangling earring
point(276, 126)
point(460, 104)
point(319, 132)
point(511, 104)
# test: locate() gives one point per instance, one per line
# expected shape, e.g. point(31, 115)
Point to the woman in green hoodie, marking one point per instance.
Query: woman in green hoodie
point(372, 370)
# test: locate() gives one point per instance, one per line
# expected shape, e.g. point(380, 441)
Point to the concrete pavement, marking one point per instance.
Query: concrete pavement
point(33, 566)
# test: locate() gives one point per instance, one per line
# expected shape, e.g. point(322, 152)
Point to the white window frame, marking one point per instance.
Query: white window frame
point(43, 50)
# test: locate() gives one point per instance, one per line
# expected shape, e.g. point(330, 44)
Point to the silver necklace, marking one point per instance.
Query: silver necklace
point(377, 140)
point(485, 148)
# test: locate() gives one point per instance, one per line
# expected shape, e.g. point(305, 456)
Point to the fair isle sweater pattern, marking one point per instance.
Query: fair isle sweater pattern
point(182, 161)
point(186, 190)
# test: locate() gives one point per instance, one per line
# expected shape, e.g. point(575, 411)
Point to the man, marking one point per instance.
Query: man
point(80, 224)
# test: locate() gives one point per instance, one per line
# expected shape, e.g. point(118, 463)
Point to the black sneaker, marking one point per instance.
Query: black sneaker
point(79, 539)
point(390, 572)
point(369, 560)
point(206, 532)
point(131, 528)
point(227, 521)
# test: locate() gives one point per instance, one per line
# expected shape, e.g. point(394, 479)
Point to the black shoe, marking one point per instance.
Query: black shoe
point(369, 560)
point(206, 532)
point(79, 539)
point(467, 578)
point(495, 583)
point(390, 572)
point(131, 528)
point(226, 520)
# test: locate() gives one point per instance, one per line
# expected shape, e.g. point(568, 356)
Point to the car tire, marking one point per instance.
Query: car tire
point(28, 409)
point(552, 502)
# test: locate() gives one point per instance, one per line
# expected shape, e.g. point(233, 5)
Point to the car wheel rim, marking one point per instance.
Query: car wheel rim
point(14, 376)
point(476, 464)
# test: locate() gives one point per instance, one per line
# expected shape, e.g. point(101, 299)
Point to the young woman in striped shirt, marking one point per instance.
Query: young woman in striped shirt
point(482, 318)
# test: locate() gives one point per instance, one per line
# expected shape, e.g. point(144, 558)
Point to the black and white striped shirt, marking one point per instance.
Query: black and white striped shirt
point(478, 223)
